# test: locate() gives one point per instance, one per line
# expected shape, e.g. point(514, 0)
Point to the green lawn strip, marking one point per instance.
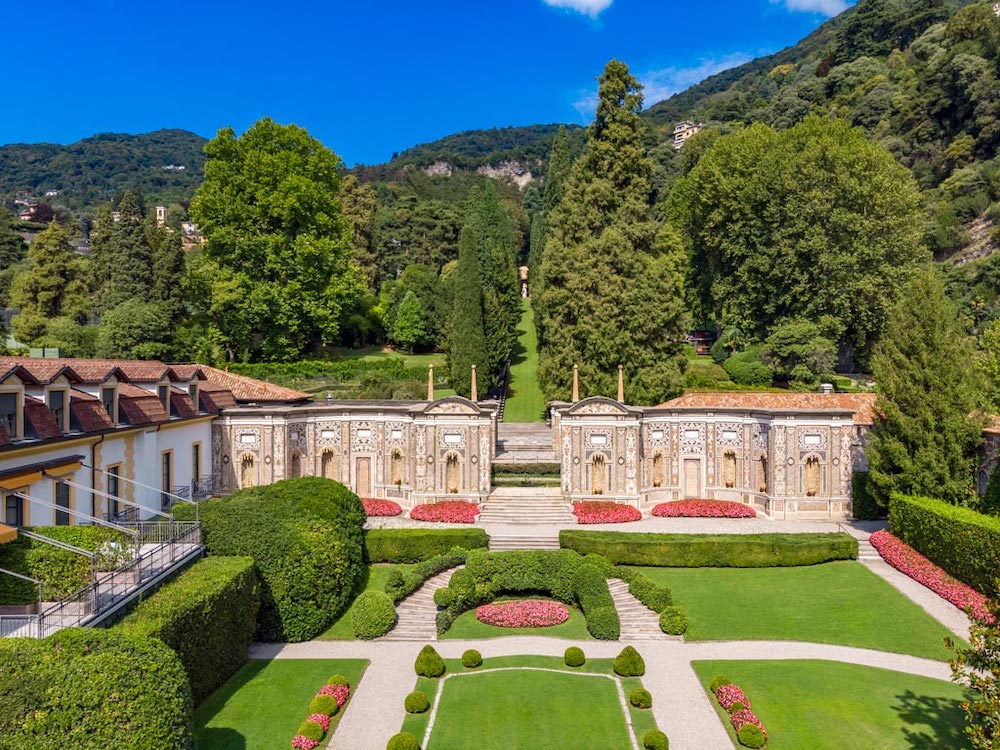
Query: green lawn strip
point(502, 710)
point(642, 718)
point(839, 602)
point(416, 724)
point(525, 400)
point(466, 626)
point(342, 630)
point(263, 704)
point(824, 705)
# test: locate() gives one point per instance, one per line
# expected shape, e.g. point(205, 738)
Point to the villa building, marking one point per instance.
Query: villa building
point(684, 130)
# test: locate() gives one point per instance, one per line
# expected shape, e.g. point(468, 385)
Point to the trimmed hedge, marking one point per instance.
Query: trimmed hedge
point(61, 572)
point(472, 659)
point(208, 616)
point(654, 739)
point(91, 688)
point(864, 506)
point(305, 536)
point(373, 615)
point(641, 698)
point(629, 663)
point(400, 585)
point(574, 657)
point(711, 550)
point(417, 702)
point(403, 741)
point(417, 545)
point(429, 663)
point(963, 542)
point(751, 736)
point(531, 470)
point(673, 621)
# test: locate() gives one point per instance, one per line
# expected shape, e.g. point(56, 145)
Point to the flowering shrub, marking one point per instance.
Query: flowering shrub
point(704, 509)
point(727, 695)
point(339, 692)
point(532, 613)
point(322, 719)
point(451, 511)
point(300, 742)
point(745, 716)
point(375, 507)
point(907, 560)
point(604, 511)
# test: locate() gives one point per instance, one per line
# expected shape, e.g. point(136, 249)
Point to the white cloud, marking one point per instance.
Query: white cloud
point(590, 8)
point(827, 8)
point(665, 82)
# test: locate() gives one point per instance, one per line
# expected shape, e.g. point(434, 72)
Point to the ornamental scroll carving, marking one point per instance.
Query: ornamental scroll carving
point(729, 435)
point(598, 441)
point(484, 459)
point(692, 437)
point(421, 438)
point(363, 437)
point(329, 434)
point(631, 462)
point(567, 458)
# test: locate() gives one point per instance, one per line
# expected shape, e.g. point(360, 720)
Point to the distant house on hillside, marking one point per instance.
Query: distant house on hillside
point(684, 130)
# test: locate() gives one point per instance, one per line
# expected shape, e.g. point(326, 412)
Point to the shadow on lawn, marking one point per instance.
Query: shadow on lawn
point(931, 723)
point(221, 738)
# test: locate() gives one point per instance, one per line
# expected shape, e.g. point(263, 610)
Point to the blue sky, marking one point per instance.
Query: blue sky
point(367, 77)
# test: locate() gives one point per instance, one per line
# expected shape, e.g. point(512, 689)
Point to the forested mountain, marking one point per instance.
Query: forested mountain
point(91, 172)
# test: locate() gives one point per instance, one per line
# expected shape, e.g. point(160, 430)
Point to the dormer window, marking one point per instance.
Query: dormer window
point(163, 392)
point(9, 405)
point(57, 405)
point(108, 401)
point(193, 393)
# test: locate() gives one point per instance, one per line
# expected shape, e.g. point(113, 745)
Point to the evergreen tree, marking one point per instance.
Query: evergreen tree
point(613, 281)
point(53, 286)
point(467, 342)
point(12, 247)
point(408, 330)
point(560, 165)
point(927, 432)
point(167, 277)
point(122, 256)
point(498, 266)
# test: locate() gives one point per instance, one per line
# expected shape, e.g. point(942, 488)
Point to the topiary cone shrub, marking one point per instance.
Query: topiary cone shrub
point(654, 739)
point(574, 657)
point(629, 663)
point(673, 621)
point(429, 663)
point(417, 702)
point(640, 698)
point(403, 741)
point(373, 615)
point(472, 659)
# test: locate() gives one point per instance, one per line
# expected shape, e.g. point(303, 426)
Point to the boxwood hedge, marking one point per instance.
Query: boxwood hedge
point(417, 545)
point(963, 542)
point(93, 689)
point(208, 615)
point(373, 615)
point(400, 585)
point(305, 536)
point(711, 550)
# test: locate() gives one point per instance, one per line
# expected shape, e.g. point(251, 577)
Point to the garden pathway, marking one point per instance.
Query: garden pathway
point(639, 622)
point(416, 614)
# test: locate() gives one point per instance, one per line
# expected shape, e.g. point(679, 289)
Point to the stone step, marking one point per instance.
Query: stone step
point(638, 622)
point(499, 543)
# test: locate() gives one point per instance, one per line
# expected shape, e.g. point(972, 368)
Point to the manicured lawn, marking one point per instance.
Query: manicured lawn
point(341, 630)
point(528, 709)
point(263, 704)
point(830, 706)
point(525, 400)
point(467, 626)
point(838, 602)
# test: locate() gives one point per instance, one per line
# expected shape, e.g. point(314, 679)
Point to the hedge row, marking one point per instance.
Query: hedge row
point(93, 689)
point(965, 543)
point(400, 585)
point(564, 575)
point(305, 536)
point(61, 572)
point(864, 506)
point(711, 550)
point(530, 470)
point(417, 545)
point(208, 615)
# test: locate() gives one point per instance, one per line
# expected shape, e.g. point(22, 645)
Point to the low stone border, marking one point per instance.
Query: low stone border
point(618, 683)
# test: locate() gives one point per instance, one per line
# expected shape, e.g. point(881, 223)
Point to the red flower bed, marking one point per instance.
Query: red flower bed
point(340, 694)
point(704, 509)
point(744, 717)
point(728, 696)
point(605, 511)
point(376, 507)
point(452, 511)
point(530, 613)
point(907, 560)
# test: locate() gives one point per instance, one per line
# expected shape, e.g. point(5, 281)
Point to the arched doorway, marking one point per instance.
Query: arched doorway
point(729, 469)
point(598, 474)
point(452, 474)
point(363, 477)
point(295, 466)
point(396, 467)
point(248, 471)
point(813, 478)
point(762, 474)
point(658, 469)
point(328, 465)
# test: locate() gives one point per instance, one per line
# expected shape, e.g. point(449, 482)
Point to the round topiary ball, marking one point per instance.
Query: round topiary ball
point(312, 730)
point(718, 681)
point(640, 698)
point(373, 615)
point(429, 663)
point(417, 702)
point(472, 659)
point(654, 739)
point(751, 736)
point(444, 597)
point(629, 663)
point(403, 741)
point(604, 624)
point(574, 657)
point(339, 679)
point(324, 704)
point(673, 621)
point(736, 706)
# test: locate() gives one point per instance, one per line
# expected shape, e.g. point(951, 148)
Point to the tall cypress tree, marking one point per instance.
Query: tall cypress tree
point(613, 279)
point(927, 429)
point(12, 247)
point(123, 258)
point(560, 166)
point(167, 272)
point(467, 341)
point(501, 300)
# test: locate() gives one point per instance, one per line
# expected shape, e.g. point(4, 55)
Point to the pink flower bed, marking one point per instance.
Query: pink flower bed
point(340, 694)
point(907, 560)
point(605, 511)
point(523, 614)
point(704, 509)
point(322, 719)
point(728, 696)
point(375, 507)
point(451, 511)
point(303, 743)
point(741, 718)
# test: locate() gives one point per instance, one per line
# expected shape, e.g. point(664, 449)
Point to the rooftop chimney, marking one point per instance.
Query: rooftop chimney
point(826, 388)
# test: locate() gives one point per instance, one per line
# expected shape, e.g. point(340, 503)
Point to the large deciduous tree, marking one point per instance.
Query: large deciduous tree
point(274, 229)
point(613, 280)
point(814, 222)
point(928, 429)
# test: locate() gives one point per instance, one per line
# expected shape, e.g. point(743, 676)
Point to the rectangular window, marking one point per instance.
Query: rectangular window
point(62, 500)
point(166, 473)
point(57, 405)
point(195, 465)
point(13, 510)
point(114, 489)
point(193, 393)
point(108, 399)
point(8, 413)
point(164, 393)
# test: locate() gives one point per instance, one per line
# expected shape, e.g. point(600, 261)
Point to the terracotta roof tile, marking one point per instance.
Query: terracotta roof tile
point(38, 420)
point(46, 369)
point(87, 413)
point(248, 390)
point(140, 406)
point(187, 372)
point(861, 404)
point(180, 404)
point(215, 398)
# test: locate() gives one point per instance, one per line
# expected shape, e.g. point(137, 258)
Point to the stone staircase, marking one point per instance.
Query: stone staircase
point(866, 552)
point(527, 506)
point(524, 444)
point(416, 614)
point(639, 623)
point(504, 542)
